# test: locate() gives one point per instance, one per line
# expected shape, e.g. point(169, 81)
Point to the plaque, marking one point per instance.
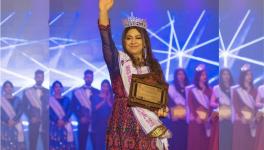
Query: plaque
point(148, 91)
point(247, 114)
point(260, 114)
point(225, 112)
point(202, 114)
point(178, 112)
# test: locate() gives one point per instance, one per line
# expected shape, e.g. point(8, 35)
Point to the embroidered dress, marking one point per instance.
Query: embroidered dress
point(128, 127)
point(60, 137)
point(12, 138)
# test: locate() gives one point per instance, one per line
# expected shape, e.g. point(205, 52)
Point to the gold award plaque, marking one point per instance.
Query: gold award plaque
point(148, 92)
point(247, 114)
point(202, 114)
point(179, 112)
point(225, 112)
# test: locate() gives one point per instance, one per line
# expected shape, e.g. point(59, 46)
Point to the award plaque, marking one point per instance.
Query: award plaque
point(202, 114)
point(148, 91)
point(225, 112)
point(178, 112)
point(260, 114)
point(247, 114)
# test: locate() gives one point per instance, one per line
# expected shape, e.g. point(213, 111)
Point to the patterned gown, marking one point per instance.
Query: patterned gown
point(124, 131)
point(57, 135)
point(9, 140)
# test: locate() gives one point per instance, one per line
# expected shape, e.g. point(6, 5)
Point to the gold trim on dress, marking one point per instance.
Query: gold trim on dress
point(159, 131)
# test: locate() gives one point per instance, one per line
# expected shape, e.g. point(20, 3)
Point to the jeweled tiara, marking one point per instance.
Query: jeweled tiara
point(132, 21)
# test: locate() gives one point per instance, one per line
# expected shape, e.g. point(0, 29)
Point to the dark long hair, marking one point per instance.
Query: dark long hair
point(109, 86)
point(242, 77)
point(5, 83)
point(53, 85)
point(149, 60)
point(221, 82)
point(176, 81)
point(197, 77)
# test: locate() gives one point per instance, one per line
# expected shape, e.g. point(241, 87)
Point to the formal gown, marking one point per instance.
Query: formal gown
point(58, 135)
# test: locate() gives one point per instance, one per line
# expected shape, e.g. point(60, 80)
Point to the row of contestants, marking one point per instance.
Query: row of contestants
point(49, 114)
point(225, 117)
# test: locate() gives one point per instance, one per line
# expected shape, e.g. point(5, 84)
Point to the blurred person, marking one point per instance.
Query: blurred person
point(36, 107)
point(260, 119)
point(82, 103)
point(243, 97)
point(60, 128)
point(177, 118)
point(221, 101)
point(199, 105)
point(12, 133)
point(101, 112)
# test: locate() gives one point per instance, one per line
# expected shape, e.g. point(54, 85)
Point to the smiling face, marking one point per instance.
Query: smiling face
point(134, 42)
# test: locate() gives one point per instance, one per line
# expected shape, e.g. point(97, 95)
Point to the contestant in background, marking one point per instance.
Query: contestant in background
point(260, 119)
point(36, 107)
point(177, 118)
point(199, 100)
point(221, 137)
point(60, 129)
point(82, 103)
point(101, 112)
point(12, 133)
point(243, 97)
point(131, 127)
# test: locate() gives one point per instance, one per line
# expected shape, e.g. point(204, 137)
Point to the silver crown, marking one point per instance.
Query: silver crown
point(245, 67)
point(200, 67)
point(135, 22)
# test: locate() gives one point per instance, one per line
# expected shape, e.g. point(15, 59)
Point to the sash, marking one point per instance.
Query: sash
point(9, 110)
point(201, 97)
point(261, 91)
point(246, 97)
point(223, 98)
point(33, 97)
point(176, 96)
point(56, 107)
point(83, 97)
point(147, 119)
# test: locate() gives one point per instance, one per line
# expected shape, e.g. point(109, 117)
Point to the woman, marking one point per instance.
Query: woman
point(60, 129)
point(222, 136)
point(130, 127)
point(244, 104)
point(101, 111)
point(12, 133)
point(260, 119)
point(177, 119)
point(198, 99)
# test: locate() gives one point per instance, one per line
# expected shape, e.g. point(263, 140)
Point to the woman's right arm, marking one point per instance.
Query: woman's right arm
point(109, 50)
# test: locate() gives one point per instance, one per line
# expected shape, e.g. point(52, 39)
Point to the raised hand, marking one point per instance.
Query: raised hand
point(104, 7)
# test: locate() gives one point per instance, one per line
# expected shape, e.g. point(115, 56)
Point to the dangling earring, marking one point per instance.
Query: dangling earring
point(145, 53)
